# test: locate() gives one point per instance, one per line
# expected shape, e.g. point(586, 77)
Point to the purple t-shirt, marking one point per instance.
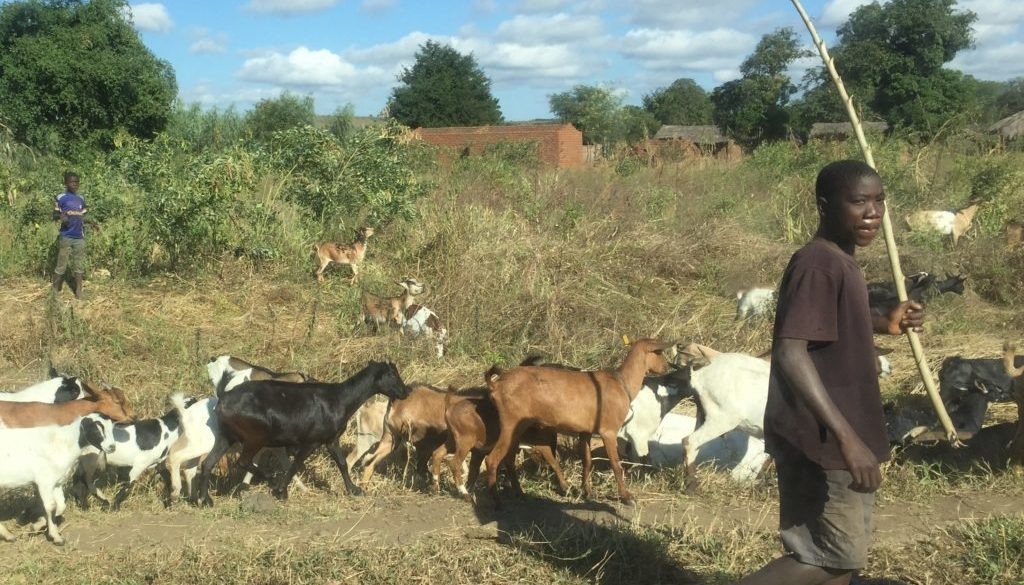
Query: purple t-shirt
point(823, 299)
point(72, 226)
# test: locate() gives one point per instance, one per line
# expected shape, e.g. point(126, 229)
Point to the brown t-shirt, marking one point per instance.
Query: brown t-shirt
point(823, 298)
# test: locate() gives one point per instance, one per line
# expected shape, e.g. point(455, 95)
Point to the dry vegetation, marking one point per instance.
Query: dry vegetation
point(518, 261)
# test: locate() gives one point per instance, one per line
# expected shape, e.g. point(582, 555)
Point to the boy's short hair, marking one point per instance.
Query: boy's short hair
point(835, 176)
point(70, 174)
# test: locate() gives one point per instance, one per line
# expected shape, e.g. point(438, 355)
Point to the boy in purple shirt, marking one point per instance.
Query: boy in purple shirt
point(823, 422)
point(69, 207)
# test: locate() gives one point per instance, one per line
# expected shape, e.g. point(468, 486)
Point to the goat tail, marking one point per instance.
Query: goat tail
point(492, 375)
point(178, 403)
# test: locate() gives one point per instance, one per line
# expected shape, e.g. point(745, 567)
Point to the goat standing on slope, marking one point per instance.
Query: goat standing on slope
point(351, 254)
point(944, 222)
point(419, 320)
point(390, 311)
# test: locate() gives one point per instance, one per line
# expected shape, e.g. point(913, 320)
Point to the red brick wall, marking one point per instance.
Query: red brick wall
point(561, 145)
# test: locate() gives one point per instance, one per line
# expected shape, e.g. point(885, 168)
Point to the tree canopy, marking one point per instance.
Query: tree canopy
point(443, 88)
point(284, 112)
point(753, 107)
point(593, 109)
point(683, 103)
point(73, 73)
point(891, 58)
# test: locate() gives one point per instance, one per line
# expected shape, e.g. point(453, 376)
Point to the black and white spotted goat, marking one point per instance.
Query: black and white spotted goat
point(53, 391)
point(138, 446)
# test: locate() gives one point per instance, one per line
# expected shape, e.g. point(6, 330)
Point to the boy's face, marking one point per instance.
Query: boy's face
point(71, 184)
point(855, 216)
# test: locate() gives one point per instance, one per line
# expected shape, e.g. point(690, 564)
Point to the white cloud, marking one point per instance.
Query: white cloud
point(671, 14)
point(557, 28)
point(206, 47)
point(723, 75)
point(150, 17)
point(506, 62)
point(376, 6)
point(401, 51)
point(999, 62)
point(837, 12)
point(531, 6)
point(687, 50)
point(306, 68)
point(288, 7)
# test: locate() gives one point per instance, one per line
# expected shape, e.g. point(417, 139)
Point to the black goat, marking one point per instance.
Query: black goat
point(921, 287)
point(968, 385)
point(302, 416)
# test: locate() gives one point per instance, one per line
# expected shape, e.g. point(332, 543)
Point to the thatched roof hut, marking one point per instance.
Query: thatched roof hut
point(699, 135)
point(1009, 127)
point(843, 130)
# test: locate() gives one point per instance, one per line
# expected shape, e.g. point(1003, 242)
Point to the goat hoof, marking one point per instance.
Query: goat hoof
point(357, 491)
point(692, 488)
point(628, 500)
point(280, 494)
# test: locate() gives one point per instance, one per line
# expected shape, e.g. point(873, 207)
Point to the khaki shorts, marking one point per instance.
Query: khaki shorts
point(822, 522)
point(72, 249)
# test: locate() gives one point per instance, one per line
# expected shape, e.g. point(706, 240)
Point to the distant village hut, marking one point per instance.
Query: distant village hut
point(559, 145)
point(705, 140)
point(842, 130)
point(1010, 127)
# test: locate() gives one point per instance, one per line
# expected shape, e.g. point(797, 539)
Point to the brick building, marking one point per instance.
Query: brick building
point(560, 145)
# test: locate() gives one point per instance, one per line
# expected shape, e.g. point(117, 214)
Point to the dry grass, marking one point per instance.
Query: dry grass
point(562, 264)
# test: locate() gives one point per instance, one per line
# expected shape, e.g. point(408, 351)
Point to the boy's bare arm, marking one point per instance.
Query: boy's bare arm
point(799, 371)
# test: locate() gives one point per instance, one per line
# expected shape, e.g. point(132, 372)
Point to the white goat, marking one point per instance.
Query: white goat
point(138, 446)
point(742, 455)
point(419, 320)
point(732, 391)
point(52, 391)
point(369, 423)
point(754, 302)
point(945, 222)
point(45, 457)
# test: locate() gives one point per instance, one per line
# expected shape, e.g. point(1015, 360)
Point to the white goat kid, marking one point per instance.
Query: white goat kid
point(45, 457)
point(419, 320)
point(754, 302)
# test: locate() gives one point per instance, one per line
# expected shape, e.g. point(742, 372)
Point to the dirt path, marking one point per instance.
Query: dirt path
point(387, 520)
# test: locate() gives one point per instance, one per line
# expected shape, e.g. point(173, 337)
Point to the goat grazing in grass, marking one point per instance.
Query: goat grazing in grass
point(351, 254)
point(44, 456)
point(269, 413)
point(579, 403)
point(390, 311)
point(419, 320)
point(944, 222)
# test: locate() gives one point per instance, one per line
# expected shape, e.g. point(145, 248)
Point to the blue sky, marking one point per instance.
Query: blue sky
point(351, 51)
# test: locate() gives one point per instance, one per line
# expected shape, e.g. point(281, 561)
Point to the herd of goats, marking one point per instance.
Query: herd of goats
point(66, 429)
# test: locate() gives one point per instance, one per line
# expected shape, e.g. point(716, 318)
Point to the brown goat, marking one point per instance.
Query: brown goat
point(390, 310)
point(351, 254)
point(473, 426)
point(109, 402)
point(1017, 445)
point(416, 418)
point(580, 403)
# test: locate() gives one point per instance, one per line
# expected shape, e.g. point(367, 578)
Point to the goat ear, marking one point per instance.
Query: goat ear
point(89, 389)
point(118, 395)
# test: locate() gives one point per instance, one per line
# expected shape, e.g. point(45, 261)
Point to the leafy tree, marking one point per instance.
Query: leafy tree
point(443, 88)
point(213, 129)
point(74, 73)
point(340, 123)
point(637, 124)
point(593, 110)
point(1011, 99)
point(753, 108)
point(281, 113)
point(891, 59)
point(682, 103)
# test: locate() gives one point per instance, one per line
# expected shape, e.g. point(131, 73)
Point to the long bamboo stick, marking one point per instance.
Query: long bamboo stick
point(890, 241)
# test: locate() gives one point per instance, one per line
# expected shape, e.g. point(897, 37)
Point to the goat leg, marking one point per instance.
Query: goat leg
point(281, 492)
point(201, 493)
point(588, 464)
point(612, 448)
point(335, 450)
